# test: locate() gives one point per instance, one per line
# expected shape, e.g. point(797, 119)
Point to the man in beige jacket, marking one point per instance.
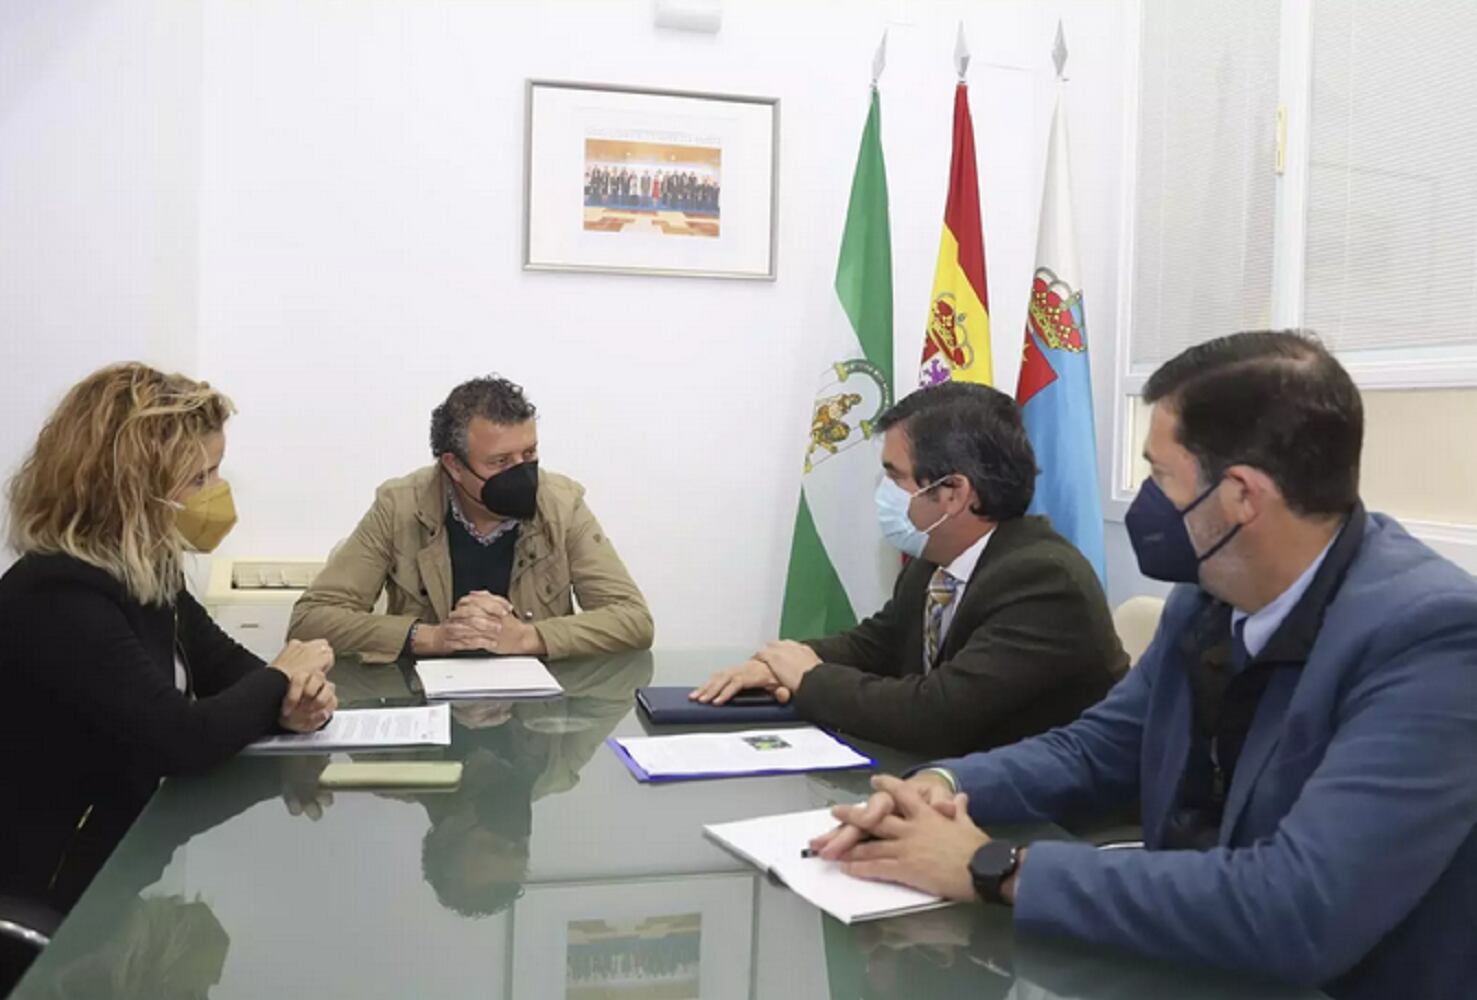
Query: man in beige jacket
point(481, 551)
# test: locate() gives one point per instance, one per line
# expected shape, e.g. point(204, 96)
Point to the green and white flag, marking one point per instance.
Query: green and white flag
point(841, 570)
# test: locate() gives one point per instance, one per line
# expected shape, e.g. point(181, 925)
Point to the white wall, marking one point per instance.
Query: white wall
point(360, 253)
point(322, 214)
point(99, 155)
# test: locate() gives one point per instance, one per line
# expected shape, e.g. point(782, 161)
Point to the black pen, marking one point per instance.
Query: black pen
point(807, 852)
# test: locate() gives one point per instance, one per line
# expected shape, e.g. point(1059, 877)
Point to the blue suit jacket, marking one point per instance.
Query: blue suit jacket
point(1347, 855)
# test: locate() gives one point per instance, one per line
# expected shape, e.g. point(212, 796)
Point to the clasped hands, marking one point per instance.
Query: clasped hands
point(915, 832)
point(480, 621)
point(777, 668)
point(311, 698)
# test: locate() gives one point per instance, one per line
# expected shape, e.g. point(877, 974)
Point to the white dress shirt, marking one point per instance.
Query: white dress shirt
point(961, 569)
point(1261, 625)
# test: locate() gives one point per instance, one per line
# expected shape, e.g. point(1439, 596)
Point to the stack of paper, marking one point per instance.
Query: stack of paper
point(490, 677)
point(775, 843)
point(367, 729)
point(723, 755)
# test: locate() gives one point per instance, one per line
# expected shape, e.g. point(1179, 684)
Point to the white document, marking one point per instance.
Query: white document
point(775, 843)
point(492, 677)
point(754, 751)
point(367, 729)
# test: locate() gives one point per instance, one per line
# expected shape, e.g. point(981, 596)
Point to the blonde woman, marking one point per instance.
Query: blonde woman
point(113, 675)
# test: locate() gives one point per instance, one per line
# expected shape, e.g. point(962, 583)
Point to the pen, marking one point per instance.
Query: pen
point(806, 852)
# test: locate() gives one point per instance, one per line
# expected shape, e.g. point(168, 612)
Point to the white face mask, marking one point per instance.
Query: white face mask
point(898, 528)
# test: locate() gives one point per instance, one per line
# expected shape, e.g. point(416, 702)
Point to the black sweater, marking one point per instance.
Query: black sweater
point(90, 718)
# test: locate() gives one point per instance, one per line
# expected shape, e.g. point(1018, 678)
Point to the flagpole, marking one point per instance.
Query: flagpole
point(879, 60)
point(961, 53)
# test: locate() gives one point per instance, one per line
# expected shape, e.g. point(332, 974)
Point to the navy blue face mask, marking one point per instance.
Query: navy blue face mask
point(1156, 528)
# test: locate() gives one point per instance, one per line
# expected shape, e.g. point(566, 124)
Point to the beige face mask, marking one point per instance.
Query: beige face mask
point(206, 517)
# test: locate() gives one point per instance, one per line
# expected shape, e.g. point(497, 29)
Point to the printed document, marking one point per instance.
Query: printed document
point(367, 729)
point(754, 751)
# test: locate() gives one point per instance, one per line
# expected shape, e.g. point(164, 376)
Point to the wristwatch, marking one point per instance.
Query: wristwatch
point(991, 866)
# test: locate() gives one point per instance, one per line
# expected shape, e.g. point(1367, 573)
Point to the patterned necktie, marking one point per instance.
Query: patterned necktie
point(941, 590)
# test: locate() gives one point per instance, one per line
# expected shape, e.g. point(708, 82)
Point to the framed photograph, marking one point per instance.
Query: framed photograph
point(650, 181)
point(650, 939)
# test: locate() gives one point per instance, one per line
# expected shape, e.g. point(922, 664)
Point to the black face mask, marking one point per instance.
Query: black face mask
point(512, 492)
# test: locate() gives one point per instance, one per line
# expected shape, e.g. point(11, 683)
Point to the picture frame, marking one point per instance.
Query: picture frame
point(631, 180)
point(650, 937)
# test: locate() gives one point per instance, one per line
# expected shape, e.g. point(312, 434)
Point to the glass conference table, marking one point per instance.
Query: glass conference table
point(550, 872)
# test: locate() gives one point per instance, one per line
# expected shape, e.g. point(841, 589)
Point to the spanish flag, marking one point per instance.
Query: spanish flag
point(957, 343)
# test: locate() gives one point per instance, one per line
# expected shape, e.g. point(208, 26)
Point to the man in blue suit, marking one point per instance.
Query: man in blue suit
point(1302, 732)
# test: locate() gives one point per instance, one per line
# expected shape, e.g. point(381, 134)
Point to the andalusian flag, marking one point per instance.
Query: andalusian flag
point(957, 344)
point(1055, 388)
point(840, 568)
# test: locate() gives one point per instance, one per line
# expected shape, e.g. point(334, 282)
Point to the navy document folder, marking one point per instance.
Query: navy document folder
point(671, 706)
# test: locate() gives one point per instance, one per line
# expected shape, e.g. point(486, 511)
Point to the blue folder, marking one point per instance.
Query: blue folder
point(668, 706)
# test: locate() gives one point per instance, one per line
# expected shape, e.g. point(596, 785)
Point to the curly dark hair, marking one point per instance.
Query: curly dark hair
point(490, 397)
